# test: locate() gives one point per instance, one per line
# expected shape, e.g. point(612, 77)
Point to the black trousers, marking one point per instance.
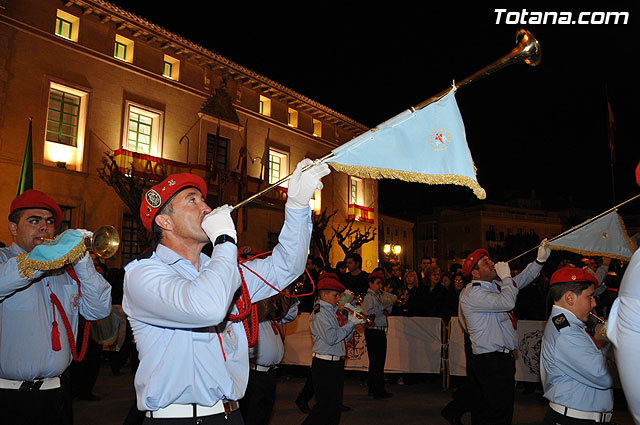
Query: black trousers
point(306, 393)
point(38, 407)
point(377, 352)
point(234, 418)
point(257, 404)
point(495, 376)
point(466, 395)
point(328, 386)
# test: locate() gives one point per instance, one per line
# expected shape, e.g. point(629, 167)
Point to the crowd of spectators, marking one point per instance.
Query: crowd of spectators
point(431, 291)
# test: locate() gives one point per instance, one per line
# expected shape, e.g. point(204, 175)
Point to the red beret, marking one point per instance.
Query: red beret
point(571, 275)
point(35, 199)
point(472, 260)
point(159, 194)
point(330, 281)
point(377, 274)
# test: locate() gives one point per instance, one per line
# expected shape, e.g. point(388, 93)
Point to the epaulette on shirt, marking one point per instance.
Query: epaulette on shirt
point(560, 321)
point(476, 284)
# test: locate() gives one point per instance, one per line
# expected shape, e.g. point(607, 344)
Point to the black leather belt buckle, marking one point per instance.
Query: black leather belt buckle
point(30, 386)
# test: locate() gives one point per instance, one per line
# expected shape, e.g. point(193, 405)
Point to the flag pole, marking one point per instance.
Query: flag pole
point(579, 226)
point(527, 49)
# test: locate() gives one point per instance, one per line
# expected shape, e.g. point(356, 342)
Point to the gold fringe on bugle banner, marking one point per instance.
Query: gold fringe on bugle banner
point(410, 176)
point(27, 266)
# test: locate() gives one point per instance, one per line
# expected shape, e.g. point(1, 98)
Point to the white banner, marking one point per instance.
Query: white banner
point(414, 345)
point(528, 361)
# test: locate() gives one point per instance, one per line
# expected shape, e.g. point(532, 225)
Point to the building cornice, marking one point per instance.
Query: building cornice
point(166, 40)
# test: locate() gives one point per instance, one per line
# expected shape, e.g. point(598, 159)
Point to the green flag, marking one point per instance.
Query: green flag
point(26, 174)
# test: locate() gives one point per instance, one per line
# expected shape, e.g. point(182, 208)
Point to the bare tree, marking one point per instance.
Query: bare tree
point(320, 223)
point(130, 189)
point(350, 239)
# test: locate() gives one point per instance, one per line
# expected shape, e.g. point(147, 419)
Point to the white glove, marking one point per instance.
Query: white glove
point(219, 222)
point(543, 251)
point(303, 185)
point(502, 270)
point(355, 319)
point(85, 233)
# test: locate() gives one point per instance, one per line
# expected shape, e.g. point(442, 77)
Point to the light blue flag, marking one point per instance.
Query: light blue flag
point(604, 236)
point(426, 146)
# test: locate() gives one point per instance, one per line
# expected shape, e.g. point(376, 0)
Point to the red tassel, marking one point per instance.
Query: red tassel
point(55, 337)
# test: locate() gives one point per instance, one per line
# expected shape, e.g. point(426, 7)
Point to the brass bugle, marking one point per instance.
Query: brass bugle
point(601, 320)
point(368, 320)
point(104, 242)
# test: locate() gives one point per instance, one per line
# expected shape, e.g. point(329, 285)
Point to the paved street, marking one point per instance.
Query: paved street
point(419, 403)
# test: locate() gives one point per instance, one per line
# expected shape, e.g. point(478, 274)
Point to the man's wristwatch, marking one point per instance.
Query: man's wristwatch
point(223, 239)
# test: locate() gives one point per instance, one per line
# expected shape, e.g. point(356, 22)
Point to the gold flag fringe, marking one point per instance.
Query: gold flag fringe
point(630, 244)
point(410, 176)
point(27, 266)
point(590, 253)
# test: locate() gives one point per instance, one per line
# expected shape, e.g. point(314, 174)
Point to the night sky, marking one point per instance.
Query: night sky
point(541, 129)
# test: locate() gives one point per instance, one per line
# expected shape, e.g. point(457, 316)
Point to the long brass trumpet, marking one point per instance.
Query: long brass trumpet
point(527, 49)
point(104, 242)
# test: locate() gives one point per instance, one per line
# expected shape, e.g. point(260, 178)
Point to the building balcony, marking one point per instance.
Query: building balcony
point(360, 213)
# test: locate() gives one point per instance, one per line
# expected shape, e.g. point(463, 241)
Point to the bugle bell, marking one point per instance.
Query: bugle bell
point(104, 242)
point(350, 303)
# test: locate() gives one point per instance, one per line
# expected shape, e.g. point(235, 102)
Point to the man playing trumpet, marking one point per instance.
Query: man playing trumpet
point(194, 361)
point(36, 294)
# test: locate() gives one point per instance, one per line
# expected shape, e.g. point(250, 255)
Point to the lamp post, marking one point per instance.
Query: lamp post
point(392, 251)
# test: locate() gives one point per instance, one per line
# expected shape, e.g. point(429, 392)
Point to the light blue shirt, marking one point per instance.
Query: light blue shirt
point(484, 308)
point(372, 304)
point(269, 348)
point(573, 369)
point(26, 315)
point(189, 351)
point(328, 336)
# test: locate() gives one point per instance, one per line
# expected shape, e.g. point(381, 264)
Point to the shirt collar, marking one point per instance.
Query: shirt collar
point(569, 315)
point(16, 249)
point(327, 305)
point(170, 257)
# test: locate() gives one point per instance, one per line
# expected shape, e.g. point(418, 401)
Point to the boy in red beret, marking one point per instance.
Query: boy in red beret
point(573, 368)
point(330, 332)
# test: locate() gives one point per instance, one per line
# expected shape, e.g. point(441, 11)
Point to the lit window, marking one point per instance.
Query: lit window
point(292, 117)
point(67, 25)
point(265, 106)
point(171, 67)
point(278, 166)
point(143, 130)
point(63, 117)
point(317, 128)
point(140, 132)
point(66, 120)
point(123, 49)
point(356, 191)
point(120, 51)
